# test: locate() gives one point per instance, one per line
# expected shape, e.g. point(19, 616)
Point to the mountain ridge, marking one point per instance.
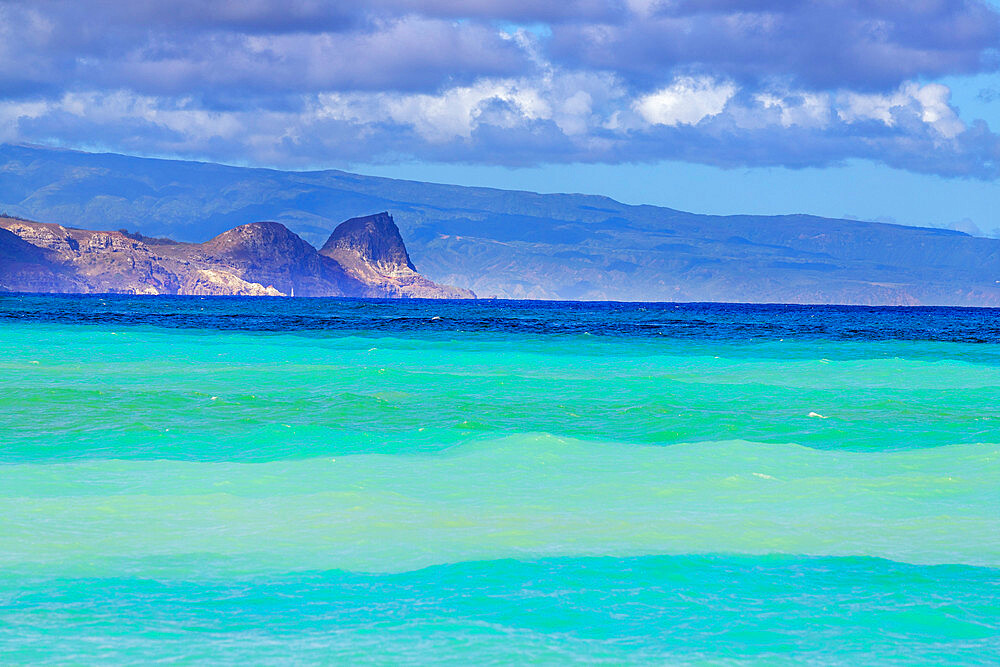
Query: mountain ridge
point(254, 259)
point(517, 244)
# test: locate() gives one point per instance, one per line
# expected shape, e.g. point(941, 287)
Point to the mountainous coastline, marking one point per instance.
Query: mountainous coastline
point(368, 259)
point(516, 244)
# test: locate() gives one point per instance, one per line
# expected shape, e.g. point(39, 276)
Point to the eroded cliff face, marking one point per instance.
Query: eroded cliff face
point(372, 240)
point(27, 267)
point(93, 261)
point(371, 250)
point(257, 259)
point(269, 254)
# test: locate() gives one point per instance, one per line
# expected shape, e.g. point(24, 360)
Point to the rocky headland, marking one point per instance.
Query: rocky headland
point(363, 257)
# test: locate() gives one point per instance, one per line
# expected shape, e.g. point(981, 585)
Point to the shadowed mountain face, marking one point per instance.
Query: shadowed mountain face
point(373, 239)
point(28, 268)
point(371, 250)
point(517, 244)
point(257, 259)
point(272, 255)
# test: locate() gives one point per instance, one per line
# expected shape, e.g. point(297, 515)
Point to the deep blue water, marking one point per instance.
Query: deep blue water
point(698, 321)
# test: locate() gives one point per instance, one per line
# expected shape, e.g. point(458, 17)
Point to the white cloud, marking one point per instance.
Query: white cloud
point(501, 81)
point(930, 101)
point(571, 101)
point(687, 101)
point(803, 109)
point(572, 115)
point(935, 110)
point(181, 116)
point(452, 114)
point(12, 113)
point(575, 116)
point(858, 107)
point(643, 8)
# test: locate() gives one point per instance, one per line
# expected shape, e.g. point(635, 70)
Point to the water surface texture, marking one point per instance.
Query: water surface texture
point(316, 480)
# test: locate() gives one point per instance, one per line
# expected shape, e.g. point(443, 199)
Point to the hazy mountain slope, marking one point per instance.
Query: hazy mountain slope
point(520, 244)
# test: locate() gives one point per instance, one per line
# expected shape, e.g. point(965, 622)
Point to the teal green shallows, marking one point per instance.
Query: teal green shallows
point(515, 486)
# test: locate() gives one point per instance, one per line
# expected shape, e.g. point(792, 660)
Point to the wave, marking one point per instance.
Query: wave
point(676, 610)
point(74, 393)
point(528, 495)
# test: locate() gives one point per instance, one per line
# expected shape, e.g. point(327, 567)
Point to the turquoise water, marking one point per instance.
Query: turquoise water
point(310, 481)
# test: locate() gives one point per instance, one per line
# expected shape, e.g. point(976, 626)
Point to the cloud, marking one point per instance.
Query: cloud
point(930, 102)
point(527, 121)
point(402, 53)
point(513, 82)
point(815, 44)
point(685, 102)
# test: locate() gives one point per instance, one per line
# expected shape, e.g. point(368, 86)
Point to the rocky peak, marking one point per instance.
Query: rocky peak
point(365, 257)
point(372, 239)
point(272, 255)
point(258, 238)
point(370, 249)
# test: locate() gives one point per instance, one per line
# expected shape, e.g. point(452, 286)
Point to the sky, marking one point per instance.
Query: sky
point(875, 109)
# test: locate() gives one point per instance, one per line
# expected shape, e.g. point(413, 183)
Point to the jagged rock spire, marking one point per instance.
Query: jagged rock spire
point(375, 239)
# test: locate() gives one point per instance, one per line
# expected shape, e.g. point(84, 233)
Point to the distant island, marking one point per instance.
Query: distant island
point(509, 244)
point(363, 257)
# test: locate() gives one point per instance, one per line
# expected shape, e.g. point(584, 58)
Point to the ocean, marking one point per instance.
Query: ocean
point(299, 481)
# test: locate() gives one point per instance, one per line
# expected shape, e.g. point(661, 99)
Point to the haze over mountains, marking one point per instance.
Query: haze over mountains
point(518, 244)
